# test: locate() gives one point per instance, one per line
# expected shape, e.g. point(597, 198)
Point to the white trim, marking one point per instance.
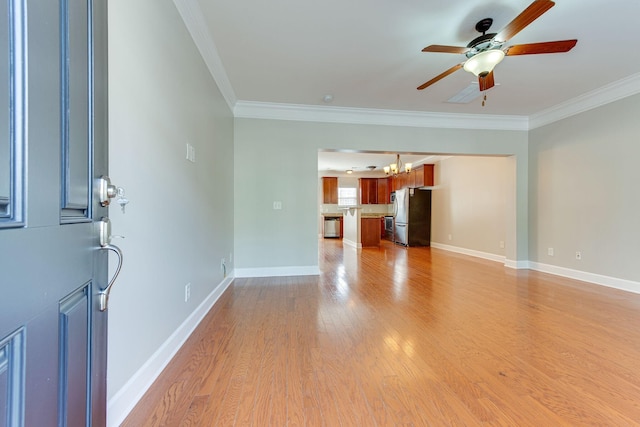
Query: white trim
point(598, 279)
point(193, 19)
point(470, 252)
point(125, 399)
point(590, 100)
point(324, 114)
point(517, 265)
point(310, 270)
point(351, 243)
point(192, 16)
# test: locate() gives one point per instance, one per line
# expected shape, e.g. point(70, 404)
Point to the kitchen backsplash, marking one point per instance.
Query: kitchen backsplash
point(384, 209)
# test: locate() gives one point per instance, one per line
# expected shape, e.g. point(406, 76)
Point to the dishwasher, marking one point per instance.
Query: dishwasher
point(331, 227)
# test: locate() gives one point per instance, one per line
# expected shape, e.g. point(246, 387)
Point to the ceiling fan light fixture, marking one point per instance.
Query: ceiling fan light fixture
point(484, 62)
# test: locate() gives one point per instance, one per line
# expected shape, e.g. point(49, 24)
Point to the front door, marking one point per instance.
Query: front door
point(53, 148)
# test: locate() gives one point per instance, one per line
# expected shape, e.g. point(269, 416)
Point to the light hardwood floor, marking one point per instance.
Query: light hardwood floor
point(397, 337)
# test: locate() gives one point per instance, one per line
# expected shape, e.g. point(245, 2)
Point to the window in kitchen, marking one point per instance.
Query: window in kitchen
point(347, 196)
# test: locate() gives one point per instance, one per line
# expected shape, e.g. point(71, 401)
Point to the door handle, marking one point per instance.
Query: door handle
point(105, 244)
point(103, 295)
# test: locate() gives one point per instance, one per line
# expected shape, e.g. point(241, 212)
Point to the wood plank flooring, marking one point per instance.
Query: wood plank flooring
point(397, 337)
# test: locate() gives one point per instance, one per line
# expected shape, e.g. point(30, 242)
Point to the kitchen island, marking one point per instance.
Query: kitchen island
point(370, 230)
point(362, 230)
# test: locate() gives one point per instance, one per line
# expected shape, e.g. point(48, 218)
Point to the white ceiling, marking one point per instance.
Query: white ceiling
point(367, 54)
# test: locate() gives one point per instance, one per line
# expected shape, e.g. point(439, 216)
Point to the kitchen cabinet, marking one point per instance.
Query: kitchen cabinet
point(370, 232)
point(368, 191)
point(411, 179)
point(384, 191)
point(375, 191)
point(421, 176)
point(400, 181)
point(330, 190)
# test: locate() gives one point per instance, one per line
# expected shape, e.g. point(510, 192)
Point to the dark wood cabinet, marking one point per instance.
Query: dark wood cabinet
point(370, 232)
point(384, 192)
point(411, 179)
point(368, 191)
point(421, 176)
point(330, 190)
point(428, 180)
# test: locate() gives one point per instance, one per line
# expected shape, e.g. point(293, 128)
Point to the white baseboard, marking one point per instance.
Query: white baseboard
point(470, 252)
point(352, 243)
point(598, 279)
point(119, 406)
point(518, 265)
point(310, 270)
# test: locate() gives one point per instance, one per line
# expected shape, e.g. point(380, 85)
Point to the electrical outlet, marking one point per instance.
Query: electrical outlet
point(578, 255)
point(450, 237)
point(550, 251)
point(501, 244)
point(187, 292)
point(230, 257)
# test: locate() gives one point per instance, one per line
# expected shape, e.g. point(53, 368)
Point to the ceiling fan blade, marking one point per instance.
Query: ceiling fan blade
point(530, 14)
point(486, 82)
point(445, 49)
point(545, 47)
point(440, 76)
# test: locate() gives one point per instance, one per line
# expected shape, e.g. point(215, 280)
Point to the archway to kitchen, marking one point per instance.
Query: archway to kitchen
point(473, 206)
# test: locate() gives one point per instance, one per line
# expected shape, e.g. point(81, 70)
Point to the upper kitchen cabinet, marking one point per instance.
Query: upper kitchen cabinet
point(384, 190)
point(330, 190)
point(420, 176)
point(368, 191)
point(423, 176)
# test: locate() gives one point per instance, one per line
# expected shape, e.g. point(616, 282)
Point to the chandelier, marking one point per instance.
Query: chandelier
point(395, 168)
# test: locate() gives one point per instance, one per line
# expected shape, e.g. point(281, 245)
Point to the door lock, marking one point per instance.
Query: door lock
point(106, 190)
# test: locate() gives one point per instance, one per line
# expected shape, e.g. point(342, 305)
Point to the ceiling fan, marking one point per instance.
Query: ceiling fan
point(486, 51)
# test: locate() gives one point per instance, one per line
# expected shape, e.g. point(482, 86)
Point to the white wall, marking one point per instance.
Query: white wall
point(179, 222)
point(470, 204)
point(584, 196)
point(279, 163)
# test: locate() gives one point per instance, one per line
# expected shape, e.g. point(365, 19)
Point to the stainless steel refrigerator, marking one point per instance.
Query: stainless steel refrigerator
point(412, 211)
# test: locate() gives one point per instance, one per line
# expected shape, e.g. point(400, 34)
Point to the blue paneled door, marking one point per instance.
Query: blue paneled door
point(53, 148)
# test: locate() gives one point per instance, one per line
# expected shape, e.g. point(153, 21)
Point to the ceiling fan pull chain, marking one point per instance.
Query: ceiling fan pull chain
point(484, 99)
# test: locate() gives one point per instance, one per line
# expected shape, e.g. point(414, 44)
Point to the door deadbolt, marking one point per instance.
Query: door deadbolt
point(106, 190)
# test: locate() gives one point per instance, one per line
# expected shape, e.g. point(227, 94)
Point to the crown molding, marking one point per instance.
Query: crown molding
point(193, 19)
point(192, 16)
point(294, 112)
point(588, 101)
